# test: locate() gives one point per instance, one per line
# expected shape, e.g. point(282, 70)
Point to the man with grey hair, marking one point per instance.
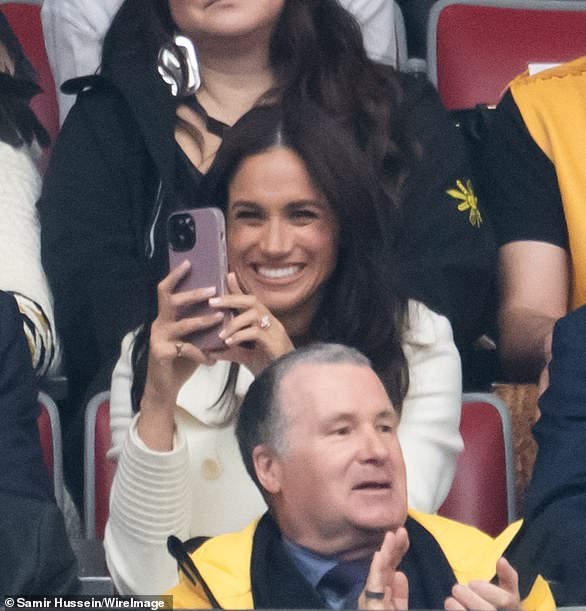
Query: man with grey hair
point(317, 432)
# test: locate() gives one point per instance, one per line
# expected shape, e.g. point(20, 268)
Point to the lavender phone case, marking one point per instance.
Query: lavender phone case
point(209, 266)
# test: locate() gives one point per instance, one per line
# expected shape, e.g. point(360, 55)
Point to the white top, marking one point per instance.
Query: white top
point(377, 22)
point(201, 486)
point(21, 271)
point(74, 31)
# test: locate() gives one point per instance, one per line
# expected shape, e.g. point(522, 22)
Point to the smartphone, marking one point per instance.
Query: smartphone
point(199, 235)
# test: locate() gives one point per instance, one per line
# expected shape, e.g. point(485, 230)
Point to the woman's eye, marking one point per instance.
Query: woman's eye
point(304, 215)
point(248, 215)
point(385, 428)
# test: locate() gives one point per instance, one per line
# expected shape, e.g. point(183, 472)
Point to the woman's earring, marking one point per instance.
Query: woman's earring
point(177, 64)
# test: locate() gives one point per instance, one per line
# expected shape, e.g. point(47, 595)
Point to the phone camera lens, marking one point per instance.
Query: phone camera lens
point(181, 232)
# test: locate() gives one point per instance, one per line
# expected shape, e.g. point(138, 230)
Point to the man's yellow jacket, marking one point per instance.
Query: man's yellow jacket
point(221, 573)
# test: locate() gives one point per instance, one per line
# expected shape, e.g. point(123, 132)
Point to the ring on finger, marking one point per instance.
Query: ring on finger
point(265, 322)
point(374, 595)
point(179, 349)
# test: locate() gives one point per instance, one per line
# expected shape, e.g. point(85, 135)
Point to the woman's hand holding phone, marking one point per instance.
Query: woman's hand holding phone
point(172, 359)
point(254, 337)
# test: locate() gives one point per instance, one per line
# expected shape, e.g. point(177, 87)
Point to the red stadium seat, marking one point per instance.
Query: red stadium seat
point(51, 444)
point(482, 493)
point(98, 469)
point(476, 47)
point(25, 21)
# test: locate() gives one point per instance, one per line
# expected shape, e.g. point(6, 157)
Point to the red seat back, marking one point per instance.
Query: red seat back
point(476, 47)
point(51, 443)
point(482, 490)
point(481, 493)
point(99, 469)
point(105, 468)
point(46, 435)
point(25, 21)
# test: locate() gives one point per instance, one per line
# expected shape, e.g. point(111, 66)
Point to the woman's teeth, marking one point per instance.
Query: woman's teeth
point(278, 272)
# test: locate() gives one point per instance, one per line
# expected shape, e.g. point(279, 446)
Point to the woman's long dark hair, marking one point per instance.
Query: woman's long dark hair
point(18, 123)
point(317, 55)
point(363, 305)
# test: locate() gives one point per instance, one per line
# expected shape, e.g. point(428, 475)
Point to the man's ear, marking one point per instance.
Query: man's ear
point(267, 468)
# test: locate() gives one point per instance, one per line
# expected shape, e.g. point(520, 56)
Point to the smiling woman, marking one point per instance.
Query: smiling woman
point(282, 236)
point(311, 232)
point(310, 237)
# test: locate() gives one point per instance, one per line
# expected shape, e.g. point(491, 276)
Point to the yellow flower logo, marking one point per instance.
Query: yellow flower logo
point(469, 201)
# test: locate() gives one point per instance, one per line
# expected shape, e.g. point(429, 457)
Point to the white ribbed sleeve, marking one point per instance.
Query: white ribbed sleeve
point(147, 504)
